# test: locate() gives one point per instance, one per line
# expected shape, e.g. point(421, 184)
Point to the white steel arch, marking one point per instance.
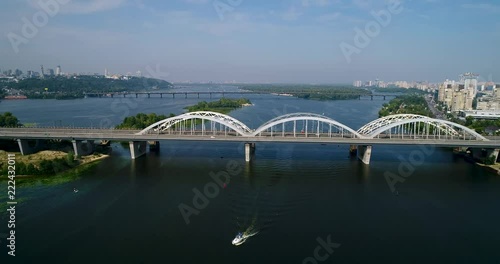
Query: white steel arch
point(431, 121)
point(303, 117)
point(223, 119)
point(369, 128)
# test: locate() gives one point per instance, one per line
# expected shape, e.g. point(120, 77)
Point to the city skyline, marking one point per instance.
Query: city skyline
point(277, 42)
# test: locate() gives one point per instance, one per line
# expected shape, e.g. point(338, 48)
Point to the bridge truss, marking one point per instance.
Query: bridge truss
point(417, 127)
point(308, 125)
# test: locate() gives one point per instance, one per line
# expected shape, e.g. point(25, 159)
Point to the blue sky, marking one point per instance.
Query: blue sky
point(257, 40)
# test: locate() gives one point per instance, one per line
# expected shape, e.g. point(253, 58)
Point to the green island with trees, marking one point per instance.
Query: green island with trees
point(73, 87)
point(406, 104)
point(316, 92)
point(223, 106)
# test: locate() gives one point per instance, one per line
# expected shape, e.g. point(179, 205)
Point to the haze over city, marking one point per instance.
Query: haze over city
point(258, 41)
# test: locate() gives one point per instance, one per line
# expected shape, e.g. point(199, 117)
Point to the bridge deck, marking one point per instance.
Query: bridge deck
point(129, 135)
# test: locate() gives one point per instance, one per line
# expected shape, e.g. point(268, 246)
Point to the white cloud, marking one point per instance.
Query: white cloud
point(291, 14)
point(328, 17)
point(91, 6)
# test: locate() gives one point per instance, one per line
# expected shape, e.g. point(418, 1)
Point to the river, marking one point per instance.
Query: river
point(295, 195)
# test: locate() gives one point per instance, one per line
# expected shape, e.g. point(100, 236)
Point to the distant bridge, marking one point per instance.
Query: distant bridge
point(213, 93)
point(203, 126)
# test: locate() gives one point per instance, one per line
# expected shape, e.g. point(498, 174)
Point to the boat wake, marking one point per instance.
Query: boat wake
point(242, 237)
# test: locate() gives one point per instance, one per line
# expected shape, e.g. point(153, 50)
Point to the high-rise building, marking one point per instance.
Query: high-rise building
point(43, 72)
point(357, 83)
point(58, 70)
point(51, 72)
point(106, 72)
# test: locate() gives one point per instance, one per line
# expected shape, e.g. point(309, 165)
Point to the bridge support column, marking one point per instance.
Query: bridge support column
point(364, 154)
point(154, 146)
point(482, 155)
point(249, 151)
point(24, 147)
point(82, 148)
point(137, 148)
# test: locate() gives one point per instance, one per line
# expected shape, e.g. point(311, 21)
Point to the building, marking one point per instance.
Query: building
point(51, 72)
point(459, 96)
point(58, 70)
point(357, 83)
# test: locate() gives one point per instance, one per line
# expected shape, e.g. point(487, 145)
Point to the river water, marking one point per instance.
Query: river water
point(294, 195)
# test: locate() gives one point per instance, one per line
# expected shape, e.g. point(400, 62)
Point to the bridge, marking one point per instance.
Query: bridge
point(404, 129)
point(212, 93)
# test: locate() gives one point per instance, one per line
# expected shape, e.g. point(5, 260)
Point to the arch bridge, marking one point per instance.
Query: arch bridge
point(402, 129)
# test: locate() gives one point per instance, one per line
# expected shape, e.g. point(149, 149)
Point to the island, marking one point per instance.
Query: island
point(316, 92)
point(223, 106)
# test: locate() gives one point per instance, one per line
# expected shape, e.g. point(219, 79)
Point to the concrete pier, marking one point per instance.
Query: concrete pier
point(137, 148)
point(83, 148)
point(364, 154)
point(154, 146)
point(249, 151)
point(25, 147)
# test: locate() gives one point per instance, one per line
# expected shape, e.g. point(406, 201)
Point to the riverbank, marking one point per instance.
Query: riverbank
point(48, 163)
point(495, 168)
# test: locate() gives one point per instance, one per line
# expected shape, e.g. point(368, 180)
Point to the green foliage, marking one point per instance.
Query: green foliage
point(489, 160)
point(224, 105)
point(406, 104)
point(317, 92)
point(483, 126)
point(141, 121)
point(8, 120)
point(77, 86)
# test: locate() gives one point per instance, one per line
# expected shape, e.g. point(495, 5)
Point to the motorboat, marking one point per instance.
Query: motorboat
point(239, 239)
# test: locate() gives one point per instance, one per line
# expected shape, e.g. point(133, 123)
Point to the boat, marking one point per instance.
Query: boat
point(15, 97)
point(239, 239)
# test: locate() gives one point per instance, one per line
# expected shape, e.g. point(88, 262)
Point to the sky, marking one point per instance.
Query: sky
point(260, 41)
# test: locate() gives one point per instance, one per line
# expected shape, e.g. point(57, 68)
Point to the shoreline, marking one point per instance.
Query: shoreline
point(84, 161)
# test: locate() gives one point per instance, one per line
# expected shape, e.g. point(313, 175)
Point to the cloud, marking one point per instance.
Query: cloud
point(482, 7)
point(196, 1)
point(328, 17)
point(91, 6)
point(291, 14)
point(315, 2)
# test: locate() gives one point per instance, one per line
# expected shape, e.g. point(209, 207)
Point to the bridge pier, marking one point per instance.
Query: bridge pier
point(249, 151)
point(372, 97)
point(149, 95)
point(161, 95)
point(26, 149)
point(136, 95)
point(483, 154)
point(364, 154)
point(83, 149)
point(154, 146)
point(137, 148)
point(384, 97)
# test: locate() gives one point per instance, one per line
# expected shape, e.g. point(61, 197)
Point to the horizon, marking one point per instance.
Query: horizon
point(287, 42)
